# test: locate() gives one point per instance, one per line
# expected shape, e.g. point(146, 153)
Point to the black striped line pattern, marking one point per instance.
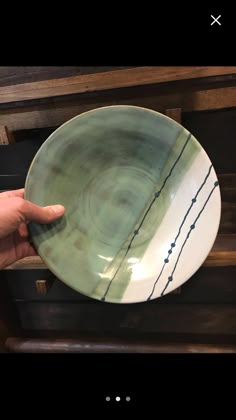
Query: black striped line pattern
point(170, 278)
point(156, 195)
point(173, 244)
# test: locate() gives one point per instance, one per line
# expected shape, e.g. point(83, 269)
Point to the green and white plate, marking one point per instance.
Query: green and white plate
point(142, 203)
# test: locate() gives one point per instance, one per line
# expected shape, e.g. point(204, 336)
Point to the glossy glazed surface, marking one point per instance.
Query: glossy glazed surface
point(142, 203)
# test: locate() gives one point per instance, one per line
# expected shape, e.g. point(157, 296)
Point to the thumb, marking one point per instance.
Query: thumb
point(35, 213)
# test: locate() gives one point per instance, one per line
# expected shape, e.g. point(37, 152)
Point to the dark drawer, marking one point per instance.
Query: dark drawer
point(22, 286)
point(208, 285)
point(134, 320)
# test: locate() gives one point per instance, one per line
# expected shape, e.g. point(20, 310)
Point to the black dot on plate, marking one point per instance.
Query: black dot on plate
point(170, 278)
point(166, 260)
point(192, 227)
point(216, 183)
point(136, 232)
point(172, 245)
point(169, 252)
point(157, 194)
point(194, 200)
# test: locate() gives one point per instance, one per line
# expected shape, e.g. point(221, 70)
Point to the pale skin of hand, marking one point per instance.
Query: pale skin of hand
point(15, 212)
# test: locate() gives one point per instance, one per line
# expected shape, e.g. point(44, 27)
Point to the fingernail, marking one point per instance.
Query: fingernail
point(58, 209)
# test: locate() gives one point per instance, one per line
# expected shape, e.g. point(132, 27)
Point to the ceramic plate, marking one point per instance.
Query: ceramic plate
point(142, 204)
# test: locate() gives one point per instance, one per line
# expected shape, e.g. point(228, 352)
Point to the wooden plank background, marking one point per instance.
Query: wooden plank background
point(13, 75)
point(115, 79)
point(86, 344)
point(28, 116)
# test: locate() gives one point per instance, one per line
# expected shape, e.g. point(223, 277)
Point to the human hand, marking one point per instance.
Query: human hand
point(15, 212)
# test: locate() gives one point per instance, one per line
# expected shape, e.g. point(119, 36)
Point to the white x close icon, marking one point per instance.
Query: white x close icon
point(215, 20)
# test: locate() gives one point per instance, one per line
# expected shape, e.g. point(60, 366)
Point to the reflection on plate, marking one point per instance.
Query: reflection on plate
point(142, 203)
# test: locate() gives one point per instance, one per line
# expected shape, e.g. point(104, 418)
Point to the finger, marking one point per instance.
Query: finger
point(24, 249)
point(13, 193)
point(34, 213)
point(23, 230)
point(31, 251)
